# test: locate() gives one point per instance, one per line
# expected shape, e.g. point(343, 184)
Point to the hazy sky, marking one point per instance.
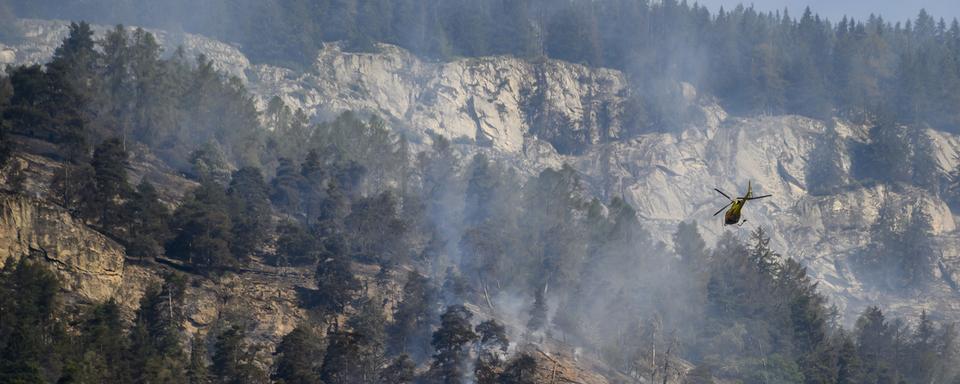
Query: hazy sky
point(892, 10)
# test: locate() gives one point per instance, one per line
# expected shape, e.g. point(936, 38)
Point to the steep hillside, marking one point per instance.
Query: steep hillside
point(531, 115)
point(525, 112)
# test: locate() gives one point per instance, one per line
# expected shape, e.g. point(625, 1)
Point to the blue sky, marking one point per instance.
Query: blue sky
point(893, 10)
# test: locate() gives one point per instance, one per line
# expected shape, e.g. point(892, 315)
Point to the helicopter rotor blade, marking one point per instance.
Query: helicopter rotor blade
point(724, 207)
point(724, 194)
point(758, 197)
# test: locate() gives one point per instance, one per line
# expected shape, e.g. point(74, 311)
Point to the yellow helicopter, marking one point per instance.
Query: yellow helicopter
point(736, 205)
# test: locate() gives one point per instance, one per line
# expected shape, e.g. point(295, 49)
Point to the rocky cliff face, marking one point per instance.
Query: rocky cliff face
point(94, 269)
point(494, 102)
point(89, 264)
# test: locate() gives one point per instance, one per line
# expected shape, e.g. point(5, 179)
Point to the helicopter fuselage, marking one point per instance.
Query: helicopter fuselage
point(732, 216)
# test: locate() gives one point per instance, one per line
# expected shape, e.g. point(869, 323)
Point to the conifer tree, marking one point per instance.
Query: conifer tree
point(413, 318)
point(197, 372)
point(538, 312)
point(492, 345)
point(250, 213)
point(400, 371)
point(147, 228)
point(110, 185)
point(201, 229)
point(298, 357)
point(450, 342)
point(336, 283)
point(234, 359)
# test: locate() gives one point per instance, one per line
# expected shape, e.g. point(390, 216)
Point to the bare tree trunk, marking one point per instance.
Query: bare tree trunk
point(666, 360)
point(486, 293)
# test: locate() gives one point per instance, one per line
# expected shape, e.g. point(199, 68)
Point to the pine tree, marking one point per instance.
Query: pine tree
point(29, 328)
point(74, 64)
point(493, 344)
point(110, 185)
point(234, 359)
point(849, 370)
point(874, 343)
point(925, 170)
point(336, 283)
point(371, 324)
point(538, 312)
point(342, 364)
point(918, 259)
point(482, 185)
point(413, 318)
point(155, 337)
point(298, 357)
point(197, 370)
point(250, 213)
point(286, 186)
point(295, 245)
point(689, 245)
point(449, 342)
point(202, 230)
point(210, 164)
point(377, 230)
point(147, 228)
point(923, 364)
point(99, 336)
point(400, 371)
point(887, 156)
point(762, 258)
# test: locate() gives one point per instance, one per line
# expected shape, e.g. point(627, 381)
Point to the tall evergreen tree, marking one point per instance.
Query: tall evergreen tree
point(202, 229)
point(234, 359)
point(147, 228)
point(298, 357)
point(413, 318)
point(336, 283)
point(250, 213)
point(197, 372)
point(449, 342)
point(30, 328)
point(110, 187)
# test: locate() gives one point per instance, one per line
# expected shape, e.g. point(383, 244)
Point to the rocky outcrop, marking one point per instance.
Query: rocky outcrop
point(491, 101)
point(42, 37)
point(669, 177)
point(89, 264)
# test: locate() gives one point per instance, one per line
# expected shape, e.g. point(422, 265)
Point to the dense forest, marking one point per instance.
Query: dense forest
point(326, 197)
point(755, 62)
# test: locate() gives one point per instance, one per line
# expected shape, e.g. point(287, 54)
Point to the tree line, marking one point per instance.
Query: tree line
point(755, 62)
